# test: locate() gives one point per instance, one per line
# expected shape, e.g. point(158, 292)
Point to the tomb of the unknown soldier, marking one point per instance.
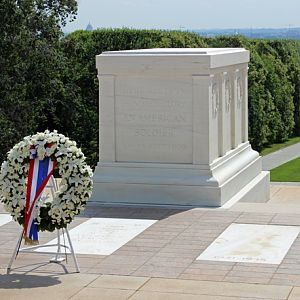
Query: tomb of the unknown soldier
point(174, 129)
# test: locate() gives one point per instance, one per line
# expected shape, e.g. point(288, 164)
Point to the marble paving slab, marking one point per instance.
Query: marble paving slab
point(103, 236)
point(251, 243)
point(4, 219)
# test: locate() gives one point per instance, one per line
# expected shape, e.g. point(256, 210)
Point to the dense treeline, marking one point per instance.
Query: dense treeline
point(33, 89)
point(68, 97)
point(274, 87)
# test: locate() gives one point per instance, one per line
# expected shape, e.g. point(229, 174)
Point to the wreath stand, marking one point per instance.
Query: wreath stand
point(58, 258)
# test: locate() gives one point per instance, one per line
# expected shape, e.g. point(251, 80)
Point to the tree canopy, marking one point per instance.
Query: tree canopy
point(32, 66)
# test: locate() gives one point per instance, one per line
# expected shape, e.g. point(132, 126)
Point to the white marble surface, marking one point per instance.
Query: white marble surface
point(154, 120)
point(103, 236)
point(250, 243)
point(183, 109)
point(4, 219)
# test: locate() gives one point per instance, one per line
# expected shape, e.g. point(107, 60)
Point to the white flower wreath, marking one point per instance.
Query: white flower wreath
point(74, 190)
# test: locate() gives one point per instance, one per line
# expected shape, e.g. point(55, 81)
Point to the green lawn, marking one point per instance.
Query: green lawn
point(275, 147)
point(288, 172)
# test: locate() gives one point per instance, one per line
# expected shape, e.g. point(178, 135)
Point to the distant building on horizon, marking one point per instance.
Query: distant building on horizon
point(260, 33)
point(89, 27)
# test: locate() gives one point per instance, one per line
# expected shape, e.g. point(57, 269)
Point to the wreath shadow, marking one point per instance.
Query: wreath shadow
point(25, 281)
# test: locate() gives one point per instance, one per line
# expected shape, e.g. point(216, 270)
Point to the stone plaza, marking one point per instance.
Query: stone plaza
point(161, 262)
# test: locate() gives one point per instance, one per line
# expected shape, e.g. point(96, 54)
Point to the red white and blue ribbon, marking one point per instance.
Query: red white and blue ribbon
point(39, 174)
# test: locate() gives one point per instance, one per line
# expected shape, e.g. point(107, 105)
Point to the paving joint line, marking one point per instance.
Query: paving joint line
point(198, 253)
point(279, 189)
point(290, 292)
point(85, 286)
point(154, 253)
point(182, 230)
point(275, 215)
point(137, 290)
point(209, 294)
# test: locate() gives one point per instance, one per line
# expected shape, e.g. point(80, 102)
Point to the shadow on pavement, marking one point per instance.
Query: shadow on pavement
point(25, 281)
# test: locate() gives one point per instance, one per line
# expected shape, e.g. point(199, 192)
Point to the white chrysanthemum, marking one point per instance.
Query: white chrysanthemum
point(76, 182)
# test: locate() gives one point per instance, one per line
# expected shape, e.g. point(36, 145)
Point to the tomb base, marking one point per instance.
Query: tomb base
point(237, 176)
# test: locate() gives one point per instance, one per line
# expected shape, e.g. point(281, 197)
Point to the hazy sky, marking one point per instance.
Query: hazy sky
point(187, 14)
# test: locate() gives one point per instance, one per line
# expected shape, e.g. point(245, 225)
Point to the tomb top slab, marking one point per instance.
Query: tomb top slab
point(176, 51)
point(194, 60)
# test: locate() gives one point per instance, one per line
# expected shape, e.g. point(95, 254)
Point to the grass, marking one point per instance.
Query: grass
point(288, 172)
point(276, 147)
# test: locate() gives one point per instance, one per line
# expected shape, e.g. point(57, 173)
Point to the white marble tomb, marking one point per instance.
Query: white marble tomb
point(174, 129)
point(4, 219)
point(252, 243)
point(103, 236)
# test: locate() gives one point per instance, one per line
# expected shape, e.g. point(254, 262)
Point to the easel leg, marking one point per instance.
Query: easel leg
point(15, 253)
point(57, 258)
point(72, 251)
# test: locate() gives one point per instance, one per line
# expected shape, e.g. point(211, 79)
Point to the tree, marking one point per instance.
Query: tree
point(31, 66)
point(281, 89)
point(274, 77)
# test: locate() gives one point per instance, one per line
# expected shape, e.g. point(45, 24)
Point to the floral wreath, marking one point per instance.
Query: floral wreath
point(74, 189)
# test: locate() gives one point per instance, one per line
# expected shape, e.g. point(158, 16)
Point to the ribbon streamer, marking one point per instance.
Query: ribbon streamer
point(39, 174)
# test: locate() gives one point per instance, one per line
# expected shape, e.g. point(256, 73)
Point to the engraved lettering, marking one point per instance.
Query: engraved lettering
point(155, 118)
point(155, 132)
point(171, 104)
point(150, 92)
point(128, 117)
point(159, 146)
point(161, 118)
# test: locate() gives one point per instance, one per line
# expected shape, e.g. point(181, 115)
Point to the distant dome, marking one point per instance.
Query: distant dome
point(89, 27)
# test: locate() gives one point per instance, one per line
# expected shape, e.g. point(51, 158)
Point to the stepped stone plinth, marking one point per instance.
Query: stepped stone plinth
point(174, 129)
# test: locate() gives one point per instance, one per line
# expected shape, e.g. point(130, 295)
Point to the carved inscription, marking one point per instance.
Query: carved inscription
point(153, 117)
point(153, 120)
point(142, 90)
point(162, 147)
point(155, 132)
